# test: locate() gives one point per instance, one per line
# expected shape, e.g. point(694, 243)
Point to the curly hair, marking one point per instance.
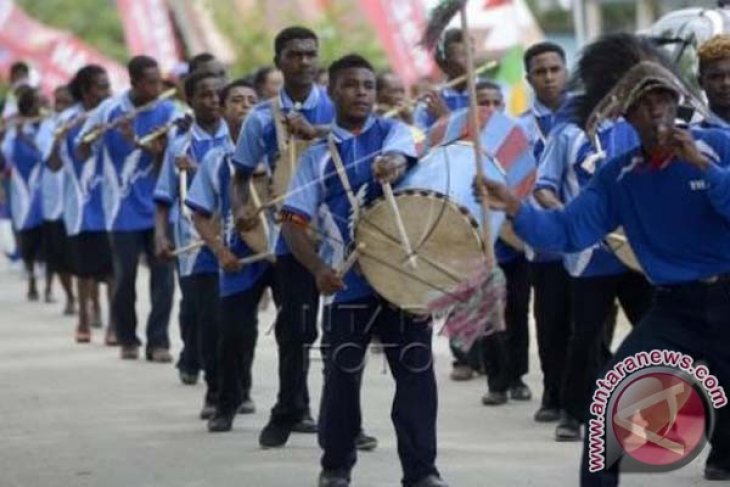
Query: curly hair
point(714, 50)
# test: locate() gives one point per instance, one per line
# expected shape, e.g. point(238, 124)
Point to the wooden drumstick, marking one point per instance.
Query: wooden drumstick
point(256, 200)
point(388, 192)
point(257, 258)
point(188, 248)
point(350, 261)
point(184, 193)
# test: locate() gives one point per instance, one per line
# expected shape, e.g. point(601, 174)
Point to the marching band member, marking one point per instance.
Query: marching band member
point(669, 194)
point(197, 269)
point(354, 311)
point(306, 112)
point(83, 211)
point(130, 173)
point(714, 75)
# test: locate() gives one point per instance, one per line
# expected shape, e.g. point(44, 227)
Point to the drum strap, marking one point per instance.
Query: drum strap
point(342, 174)
point(281, 133)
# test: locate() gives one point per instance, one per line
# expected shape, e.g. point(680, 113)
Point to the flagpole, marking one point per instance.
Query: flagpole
point(474, 129)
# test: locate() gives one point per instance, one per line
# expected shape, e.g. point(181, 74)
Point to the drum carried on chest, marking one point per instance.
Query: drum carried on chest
point(441, 216)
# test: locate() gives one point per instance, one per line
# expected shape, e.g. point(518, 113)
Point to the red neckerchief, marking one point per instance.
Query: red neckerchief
point(658, 159)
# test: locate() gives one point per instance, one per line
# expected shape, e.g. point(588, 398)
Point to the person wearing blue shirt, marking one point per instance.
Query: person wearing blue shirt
point(714, 74)
point(547, 75)
point(240, 286)
point(598, 278)
point(83, 212)
point(22, 152)
point(197, 269)
point(130, 173)
point(353, 310)
point(304, 111)
point(56, 247)
point(670, 195)
point(450, 57)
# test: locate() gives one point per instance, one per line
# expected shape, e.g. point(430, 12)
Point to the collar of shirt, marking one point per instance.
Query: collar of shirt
point(198, 133)
point(311, 102)
point(341, 134)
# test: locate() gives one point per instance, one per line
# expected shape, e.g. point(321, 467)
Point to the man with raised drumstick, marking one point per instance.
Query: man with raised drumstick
point(335, 177)
point(130, 173)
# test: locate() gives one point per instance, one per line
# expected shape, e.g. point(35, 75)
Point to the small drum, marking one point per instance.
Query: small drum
point(285, 168)
point(620, 246)
point(441, 216)
point(258, 238)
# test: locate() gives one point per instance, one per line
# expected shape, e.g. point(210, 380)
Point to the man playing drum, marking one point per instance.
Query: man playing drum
point(361, 151)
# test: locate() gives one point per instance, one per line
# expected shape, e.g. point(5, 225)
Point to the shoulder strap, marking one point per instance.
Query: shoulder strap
point(342, 173)
point(282, 135)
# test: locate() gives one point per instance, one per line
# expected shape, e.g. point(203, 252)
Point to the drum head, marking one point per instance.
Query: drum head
point(444, 236)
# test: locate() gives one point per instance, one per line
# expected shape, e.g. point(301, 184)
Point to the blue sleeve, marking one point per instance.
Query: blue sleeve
point(97, 116)
point(718, 174)
point(203, 193)
point(421, 118)
point(553, 163)
point(7, 147)
point(305, 190)
point(250, 149)
point(166, 190)
point(582, 223)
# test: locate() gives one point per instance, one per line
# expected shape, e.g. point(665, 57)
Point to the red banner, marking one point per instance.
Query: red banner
point(148, 30)
point(400, 25)
point(54, 54)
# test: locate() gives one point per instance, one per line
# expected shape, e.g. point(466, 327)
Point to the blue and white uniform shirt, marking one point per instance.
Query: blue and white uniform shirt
point(209, 194)
point(22, 150)
point(318, 193)
point(676, 217)
point(568, 165)
point(129, 172)
point(196, 143)
point(51, 181)
point(258, 141)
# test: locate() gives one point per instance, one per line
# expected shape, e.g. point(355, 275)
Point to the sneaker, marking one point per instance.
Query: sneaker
point(431, 481)
point(568, 428)
point(334, 478)
point(130, 352)
point(274, 435)
point(461, 373)
point(519, 391)
point(247, 407)
point(220, 422)
point(188, 378)
point(305, 425)
point(159, 355)
point(208, 411)
point(715, 472)
point(547, 414)
point(493, 398)
point(365, 442)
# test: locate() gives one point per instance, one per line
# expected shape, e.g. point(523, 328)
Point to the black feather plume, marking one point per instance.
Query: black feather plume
point(439, 19)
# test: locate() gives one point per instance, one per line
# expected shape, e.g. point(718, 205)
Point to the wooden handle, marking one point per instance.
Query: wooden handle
point(188, 248)
point(390, 197)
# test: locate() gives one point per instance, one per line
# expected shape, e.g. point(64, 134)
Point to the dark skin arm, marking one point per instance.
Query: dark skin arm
point(163, 245)
point(328, 281)
point(209, 229)
point(245, 219)
point(54, 162)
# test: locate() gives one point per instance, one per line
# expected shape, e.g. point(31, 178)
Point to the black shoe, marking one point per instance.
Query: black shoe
point(188, 378)
point(208, 411)
point(305, 425)
point(274, 435)
point(519, 391)
point(714, 472)
point(493, 398)
point(568, 428)
point(546, 414)
point(220, 422)
point(334, 478)
point(365, 442)
point(431, 481)
point(247, 407)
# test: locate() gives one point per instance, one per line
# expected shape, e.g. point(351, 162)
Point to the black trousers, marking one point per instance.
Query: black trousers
point(126, 250)
point(551, 285)
point(238, 335)
point(691, 319)
point(506, 353)
point(297, 299)
point(592, 306)
point(200, 328)
point(347, 330)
